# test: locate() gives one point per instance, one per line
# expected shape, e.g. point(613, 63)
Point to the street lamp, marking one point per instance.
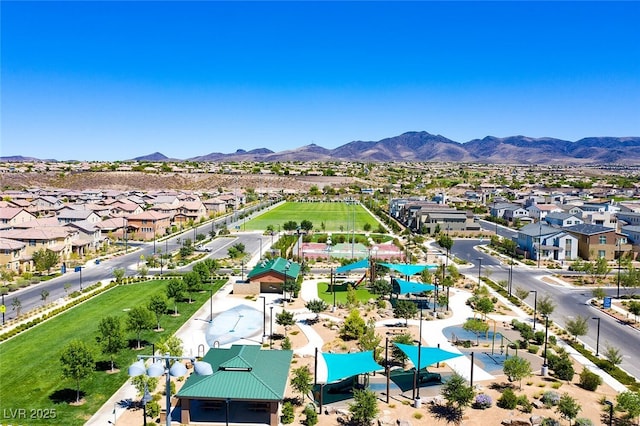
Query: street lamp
point(610, 404)
point(145, 399)
point(284, 285)
point(271, 328)
point(163, 366)
point(597, 336)
point(479, 269)
point(260, 248)
point(264, 317)
point(535, 307)
point(545, 366)
point(619, 257)
point(79, 269)
point(416, 375)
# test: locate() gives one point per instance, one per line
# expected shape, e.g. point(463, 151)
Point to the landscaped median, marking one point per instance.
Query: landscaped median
point(33, 390)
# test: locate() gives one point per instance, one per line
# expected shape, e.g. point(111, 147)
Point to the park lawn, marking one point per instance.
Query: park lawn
point(333, 215)
point(362, 293)
point(30, 368)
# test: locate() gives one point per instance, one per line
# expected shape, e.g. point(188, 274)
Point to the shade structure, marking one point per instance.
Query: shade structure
point(408, 269)
point(341, 366)
point(361, 264)
point(405, 287)
point(428, 355)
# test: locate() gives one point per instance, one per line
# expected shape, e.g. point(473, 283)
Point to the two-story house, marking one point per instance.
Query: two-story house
point(149, 225)
point(596, 241)
point(561, 220)
point(12, 216)
point(538, 241)
point(12, 254)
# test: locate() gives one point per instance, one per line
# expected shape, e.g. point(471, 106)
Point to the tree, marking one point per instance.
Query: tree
point(285, 319)
point(301, 381)
point(599, 293)
point(316, 306)
point(111, 337)
point(158, 305)
point(307, 225)
point(202, 270)
point(138, 320)
point(171, 345)
point(370, 341)
point(405, 309)
point(568, 407)
point(142, 381)
point(634, 308)
point(175, 291)
point(118, 274)
point(562, 367)
point(44, 294)
point(77, 363)
point(16, 305)
point(381, 287)
point(517, 368)
point(364, 408)
point(353, 326)
point(613, 355)
point(484, 305)
point(457, 393)
point(629, 401)
point(577, 326)
point(477, 326)
point(290, 225)
point(630, 279)
point(397, 353)
point(521, 293)
point(192, 283)
point(545, 305)
point(445, 241)
point(45, 259)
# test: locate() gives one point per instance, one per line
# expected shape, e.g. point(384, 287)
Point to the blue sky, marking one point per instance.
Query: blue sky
point(116, 80)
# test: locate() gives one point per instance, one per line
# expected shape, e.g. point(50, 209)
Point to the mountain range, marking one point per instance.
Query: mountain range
point(423, 146)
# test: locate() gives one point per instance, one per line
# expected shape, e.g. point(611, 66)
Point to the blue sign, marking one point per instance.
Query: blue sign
point(77, 269)
point(606, 303)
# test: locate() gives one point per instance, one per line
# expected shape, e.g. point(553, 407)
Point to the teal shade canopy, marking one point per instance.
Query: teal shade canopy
point(428, 355)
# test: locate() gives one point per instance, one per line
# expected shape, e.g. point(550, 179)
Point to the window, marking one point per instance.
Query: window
point(601, 254)
point(602, 239)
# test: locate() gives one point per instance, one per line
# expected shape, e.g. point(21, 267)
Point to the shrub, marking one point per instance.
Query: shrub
point(581, 421)
point(287, 413)
point(508, 400)
point(533, 349)
point(589, 380)
point(548, 421)
point(311, 415)
point(550, 398)
point(482, 401)
point(525, 404)
point(538, 336)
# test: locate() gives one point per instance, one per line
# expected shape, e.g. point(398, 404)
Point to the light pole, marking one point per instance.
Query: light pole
point(545, 366)
point(479, 269)
point(163, 366)
point(539, 251)
point(419, 353)
point(619, 257)
point(535, 307)
point(511, 271)
point(610, 404)
point(79, 268)
point(264, 317)
point(284, 285)
point(597, 336)
point(271, 328)
point(260, 239)
point(145, 399)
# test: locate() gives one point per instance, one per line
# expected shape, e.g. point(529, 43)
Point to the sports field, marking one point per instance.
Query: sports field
point(30, 372)
point(336, 216)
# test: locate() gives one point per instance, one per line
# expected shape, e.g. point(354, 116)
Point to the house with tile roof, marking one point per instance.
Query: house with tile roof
point(596, 241)
point(12, 254)
point(247, 386)
point(12, 216)
point(538, 241)
point(149, 225)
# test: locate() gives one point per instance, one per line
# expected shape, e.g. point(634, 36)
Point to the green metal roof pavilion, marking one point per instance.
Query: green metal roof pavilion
point(279, 265)
point(242, 372)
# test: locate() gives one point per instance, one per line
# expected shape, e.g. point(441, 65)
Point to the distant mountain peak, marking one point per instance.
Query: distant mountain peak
point(156, 156)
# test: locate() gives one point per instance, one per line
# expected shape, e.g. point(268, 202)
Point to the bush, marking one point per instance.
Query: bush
point(311, 415)
point(538, 336)
point(525, 404)
point(589, 380)
point(533, 349)
point(550, 398)
point(287, 413)
point(581, 421)
point(508, 400)
point(548, 421)
point(482, 401)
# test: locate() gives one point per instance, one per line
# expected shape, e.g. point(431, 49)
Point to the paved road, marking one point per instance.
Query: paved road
point(570, 302)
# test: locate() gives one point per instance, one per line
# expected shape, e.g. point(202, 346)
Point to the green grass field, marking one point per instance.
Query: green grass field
point(324, 291)
point(335, 216)
point(30, 372)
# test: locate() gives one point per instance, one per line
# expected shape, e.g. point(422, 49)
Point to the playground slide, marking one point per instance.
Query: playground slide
point(360, 280)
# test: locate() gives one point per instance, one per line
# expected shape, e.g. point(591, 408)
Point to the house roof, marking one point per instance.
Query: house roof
point(561, 215)
point(241, 372)
point(278, 265)
point(588, 229)
point(536, 229)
